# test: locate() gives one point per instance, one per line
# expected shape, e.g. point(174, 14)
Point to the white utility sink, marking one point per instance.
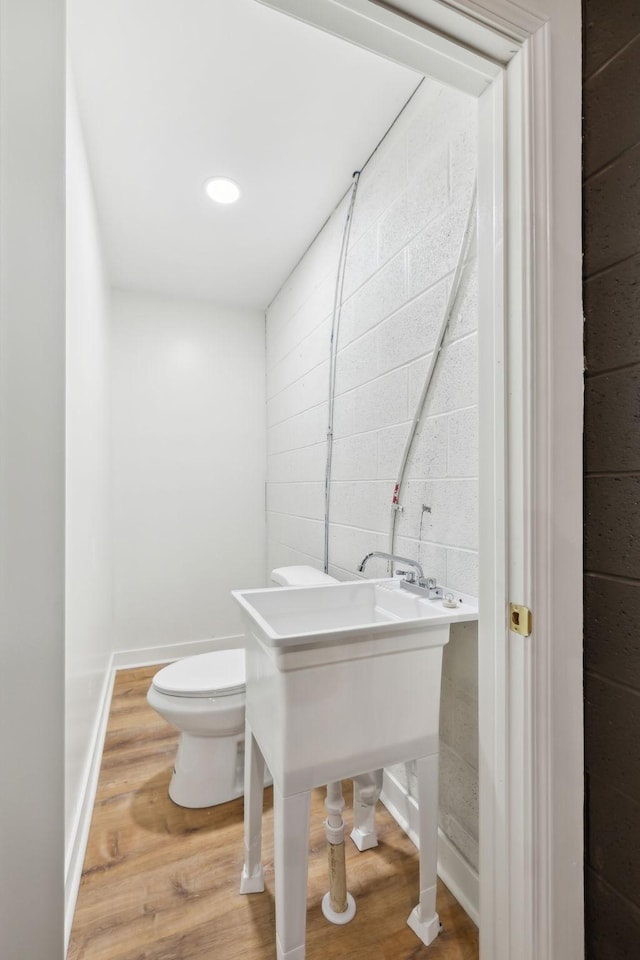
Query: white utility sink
point(341, 679)
point(348, 612)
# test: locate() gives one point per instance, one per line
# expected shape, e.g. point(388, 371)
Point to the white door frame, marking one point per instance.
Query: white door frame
point(523, 63)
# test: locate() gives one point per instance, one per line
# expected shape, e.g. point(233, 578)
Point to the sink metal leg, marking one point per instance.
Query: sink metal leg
point(291, 855)
point(366, 792)
point(252, 880)
point(423, 919)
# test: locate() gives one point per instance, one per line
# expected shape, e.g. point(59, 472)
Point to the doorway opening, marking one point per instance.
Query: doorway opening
point(505, 369)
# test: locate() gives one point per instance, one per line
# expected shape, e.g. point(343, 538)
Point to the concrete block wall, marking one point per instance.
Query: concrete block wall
point(611, 169)
point(409, 218)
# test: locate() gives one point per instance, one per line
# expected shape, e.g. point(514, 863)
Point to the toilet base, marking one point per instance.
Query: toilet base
point(207, 770)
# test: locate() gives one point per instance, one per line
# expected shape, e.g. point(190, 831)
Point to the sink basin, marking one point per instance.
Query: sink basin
point(345, 612)
point(343, 678)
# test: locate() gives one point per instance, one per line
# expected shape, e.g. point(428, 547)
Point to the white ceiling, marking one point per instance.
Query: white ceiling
point(172, 92)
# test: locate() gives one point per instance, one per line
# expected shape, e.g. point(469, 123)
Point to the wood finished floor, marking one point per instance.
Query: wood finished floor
point(161, 882)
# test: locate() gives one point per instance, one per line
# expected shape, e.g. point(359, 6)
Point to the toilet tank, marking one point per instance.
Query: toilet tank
point(300, 576)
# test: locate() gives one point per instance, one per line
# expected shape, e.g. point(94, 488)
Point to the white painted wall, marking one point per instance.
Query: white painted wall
point(88, 613)
point(409, 218)
point(32, 244)
point(188, 447)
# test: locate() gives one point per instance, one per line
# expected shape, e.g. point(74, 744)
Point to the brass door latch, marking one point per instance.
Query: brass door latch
point(520, 619)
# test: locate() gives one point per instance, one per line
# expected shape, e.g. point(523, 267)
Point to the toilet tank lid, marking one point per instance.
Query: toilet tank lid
point(301, 576)
point(217, 674)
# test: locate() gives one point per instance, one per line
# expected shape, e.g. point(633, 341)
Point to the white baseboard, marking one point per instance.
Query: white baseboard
point(77, 843)
point(147, 656)
point(454, 871)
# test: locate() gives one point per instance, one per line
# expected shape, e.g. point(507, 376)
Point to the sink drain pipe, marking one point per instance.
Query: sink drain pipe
point(338, 905)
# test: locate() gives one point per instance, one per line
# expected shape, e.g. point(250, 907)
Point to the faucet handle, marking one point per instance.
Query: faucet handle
point(409, 575)
point(429, 582)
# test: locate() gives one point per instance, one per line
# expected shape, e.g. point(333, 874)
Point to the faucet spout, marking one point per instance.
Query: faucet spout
point(393, 557)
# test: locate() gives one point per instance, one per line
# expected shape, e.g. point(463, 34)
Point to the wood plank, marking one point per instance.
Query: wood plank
point(161, 882)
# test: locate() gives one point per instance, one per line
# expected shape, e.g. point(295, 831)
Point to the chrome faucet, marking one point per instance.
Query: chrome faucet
point(422, 585)
point(391, 557)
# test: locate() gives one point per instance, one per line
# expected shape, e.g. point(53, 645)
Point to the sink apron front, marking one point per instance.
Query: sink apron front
point(326, 713)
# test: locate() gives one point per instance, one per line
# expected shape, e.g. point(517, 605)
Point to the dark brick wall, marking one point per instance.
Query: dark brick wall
point(612, 481)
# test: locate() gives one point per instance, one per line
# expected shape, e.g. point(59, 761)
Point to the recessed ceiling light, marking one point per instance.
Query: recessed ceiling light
point(222, 190)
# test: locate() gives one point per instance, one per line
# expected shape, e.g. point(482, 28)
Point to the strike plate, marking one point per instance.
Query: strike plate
point(520, 619)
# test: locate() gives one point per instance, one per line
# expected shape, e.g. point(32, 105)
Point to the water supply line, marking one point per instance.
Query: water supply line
point(454, 289)
point(338, 905)
point(333, 356)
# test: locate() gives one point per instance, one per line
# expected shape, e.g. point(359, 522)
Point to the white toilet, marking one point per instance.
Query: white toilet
point(203, 696)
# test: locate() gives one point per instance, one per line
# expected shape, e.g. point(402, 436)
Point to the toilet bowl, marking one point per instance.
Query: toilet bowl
point(203, 697)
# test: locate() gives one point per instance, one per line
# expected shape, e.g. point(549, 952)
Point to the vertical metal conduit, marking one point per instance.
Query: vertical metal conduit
point(333, 356)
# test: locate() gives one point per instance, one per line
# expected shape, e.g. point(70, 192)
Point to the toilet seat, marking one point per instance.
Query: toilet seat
point(206, 675)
